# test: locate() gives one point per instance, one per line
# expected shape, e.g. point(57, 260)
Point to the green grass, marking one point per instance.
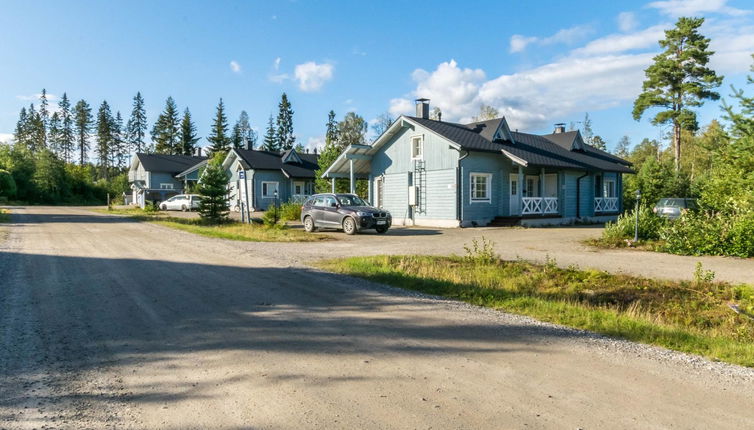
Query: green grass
point(230, 230)
point(692, 317)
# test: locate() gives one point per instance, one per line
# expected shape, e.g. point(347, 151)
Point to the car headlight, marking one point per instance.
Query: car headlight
point(362, 214)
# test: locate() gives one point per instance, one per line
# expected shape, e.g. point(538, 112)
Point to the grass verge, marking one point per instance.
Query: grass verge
point(691, 317)
point(231, 230)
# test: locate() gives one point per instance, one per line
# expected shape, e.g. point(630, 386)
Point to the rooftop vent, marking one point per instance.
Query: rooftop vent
point(559, 128)
point(422, 108)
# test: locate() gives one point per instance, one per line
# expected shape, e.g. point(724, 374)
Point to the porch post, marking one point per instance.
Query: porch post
point(351, 180)
point(542, 189)
point(332, 183)
point(520, 190)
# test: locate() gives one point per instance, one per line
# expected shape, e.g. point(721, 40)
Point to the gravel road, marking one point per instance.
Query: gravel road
point(110, 323)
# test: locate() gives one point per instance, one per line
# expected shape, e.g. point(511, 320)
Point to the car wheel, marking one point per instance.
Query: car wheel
point(349, 225)
point(163, 207)
point(184, 208)
point(309, 224)
point(381, 230)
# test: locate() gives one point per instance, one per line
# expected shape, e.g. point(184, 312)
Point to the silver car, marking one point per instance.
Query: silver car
point(181, 202)
point(672, 208)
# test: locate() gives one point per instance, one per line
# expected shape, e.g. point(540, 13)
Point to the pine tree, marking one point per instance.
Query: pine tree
point(21, 134)
point(120, 150)
point(599, 143)
point(53, 135)
point(105, 139)
point(36, 130)
point(270, 142)
point(166, 130)
point(284, 123)
point(329, 153)
point(188, 137)
point(44, 114)
point(243, 135)
point(136, 129)
point(82, 122)
point(67, 138)
point(679, 79)
point(623, 147)
point(218, 137)
point(214, 189)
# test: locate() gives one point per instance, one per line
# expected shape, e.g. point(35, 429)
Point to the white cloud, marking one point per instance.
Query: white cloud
point(676, 8)
point(275, 76)
point(311, 76)
point(6, 137)
point(35, 97)
point(627, 21)
point(733, 46)
point(518, 43)
point(235, 67)
point(616, 43)
point(316, 142)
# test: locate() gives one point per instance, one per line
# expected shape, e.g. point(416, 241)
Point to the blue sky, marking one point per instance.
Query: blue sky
point(537, 62)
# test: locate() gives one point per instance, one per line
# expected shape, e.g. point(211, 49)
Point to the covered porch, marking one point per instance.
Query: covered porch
point(534, 192)
point(353, 164)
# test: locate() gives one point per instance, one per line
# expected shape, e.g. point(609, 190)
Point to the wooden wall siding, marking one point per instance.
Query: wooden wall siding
point(440, 198)
point(158, 178)
point(260, 176)
point(569, 195)
point(587, 196)
point(395, 195)
point(500, 168)
point(395, 155)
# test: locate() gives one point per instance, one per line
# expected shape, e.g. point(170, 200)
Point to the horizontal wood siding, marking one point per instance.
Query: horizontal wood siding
point(395, 194)
point(499, 167)
point(158, 178)
point(440, 198)
point(260, 176)
point(395, 155)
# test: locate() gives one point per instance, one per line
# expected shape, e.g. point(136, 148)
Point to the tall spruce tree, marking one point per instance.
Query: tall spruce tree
point(82, 124)
point(36, 130)
point(136, 129)
point(213, 188)
point(327, 156)
point(218, 137)
point(67, 138)
point(53, 135)
point(243, 135)
point(270, 142)
point(21, 134)
point(188, 137)
point(166, 130)
point(678, 80)
point(120, 150)
point(44, 113)
point(105, 139)
point(284, 123)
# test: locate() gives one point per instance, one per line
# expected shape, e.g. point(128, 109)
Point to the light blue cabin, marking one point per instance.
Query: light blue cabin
point(157, 177)
point(434, 173)
point(269, 177)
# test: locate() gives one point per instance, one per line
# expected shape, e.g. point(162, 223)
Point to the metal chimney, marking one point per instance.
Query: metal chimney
point(422, 108)
point(559, 128)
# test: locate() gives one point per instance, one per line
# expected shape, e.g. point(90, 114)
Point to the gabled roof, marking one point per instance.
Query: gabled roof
point(173, 164)
point(303, 167)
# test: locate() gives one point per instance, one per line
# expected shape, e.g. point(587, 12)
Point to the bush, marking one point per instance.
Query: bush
point(271, 216)
point(290, 211)
point(7, 185)
point(705, 234)
point(650, 226)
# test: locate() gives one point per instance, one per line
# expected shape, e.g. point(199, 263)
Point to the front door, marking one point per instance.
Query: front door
point(515, 198)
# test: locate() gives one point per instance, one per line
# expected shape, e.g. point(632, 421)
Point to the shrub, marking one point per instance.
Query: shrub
point(650, 226)
point(7, 185)
point(481, 251)
point(290, 211)
point(706, 234)
point(271, 216)
point(741, 236)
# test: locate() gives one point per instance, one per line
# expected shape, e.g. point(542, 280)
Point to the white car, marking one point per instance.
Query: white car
point(181, 202)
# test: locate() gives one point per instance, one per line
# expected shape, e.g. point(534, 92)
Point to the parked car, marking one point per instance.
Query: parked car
point(672, 208)
point(181, 202)
point(343, 211)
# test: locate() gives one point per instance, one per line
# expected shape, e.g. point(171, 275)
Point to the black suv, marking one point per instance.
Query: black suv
point(343, 211)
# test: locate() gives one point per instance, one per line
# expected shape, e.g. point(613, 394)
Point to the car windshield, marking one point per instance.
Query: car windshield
point(676, 203)
point(349, 200)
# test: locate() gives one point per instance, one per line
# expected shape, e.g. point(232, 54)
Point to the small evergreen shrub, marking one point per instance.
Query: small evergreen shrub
point(271, 216)
point(650, 226)
point(290, 211)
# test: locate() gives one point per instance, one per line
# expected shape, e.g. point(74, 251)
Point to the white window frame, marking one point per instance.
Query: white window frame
point(167, 186)
point(472, 197)
point(267, 188)
point(420, 156)
point(606, 189)
point(301, 184)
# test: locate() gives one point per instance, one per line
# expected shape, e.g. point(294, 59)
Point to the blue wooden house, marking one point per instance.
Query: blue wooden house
point(157, 177)
point(269, 175)
point(435, 173)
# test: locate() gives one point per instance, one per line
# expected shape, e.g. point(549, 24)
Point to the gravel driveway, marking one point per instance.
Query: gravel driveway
point(106, 322)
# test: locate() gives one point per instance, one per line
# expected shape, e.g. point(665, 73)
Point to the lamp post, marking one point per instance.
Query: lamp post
point(636, 210)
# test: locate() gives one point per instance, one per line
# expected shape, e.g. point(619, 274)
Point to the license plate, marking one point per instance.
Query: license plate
point(381, 222)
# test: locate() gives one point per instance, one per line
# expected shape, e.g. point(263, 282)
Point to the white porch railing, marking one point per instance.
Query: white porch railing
point(605, 204)
point(539, 205)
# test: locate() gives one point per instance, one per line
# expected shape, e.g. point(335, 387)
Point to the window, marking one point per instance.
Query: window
point(166, 186)
point(298, 188)
point(417, 147)
point(319, 201)
point(480, 187)
point(269, 189)
point(514, 187)
point(609, 188)
point(330, 202)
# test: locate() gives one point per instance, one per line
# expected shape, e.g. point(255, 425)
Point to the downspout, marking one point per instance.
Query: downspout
point(578, 194)
point(459, 189)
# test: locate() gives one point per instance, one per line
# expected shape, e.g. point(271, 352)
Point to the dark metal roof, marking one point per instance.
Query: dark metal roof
point(536, 150)
point(172, 164)
point(273, 160)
